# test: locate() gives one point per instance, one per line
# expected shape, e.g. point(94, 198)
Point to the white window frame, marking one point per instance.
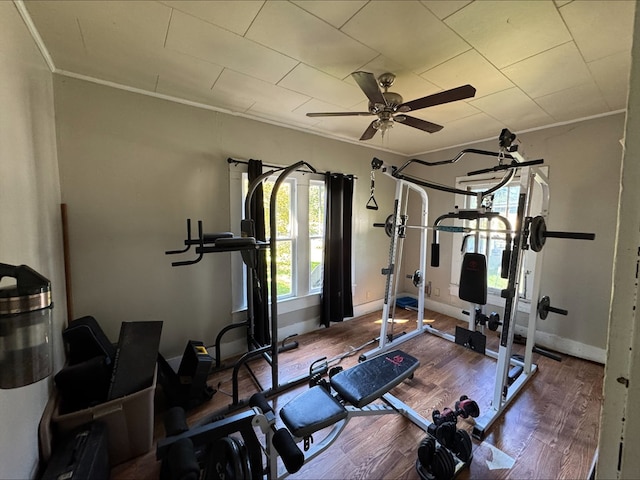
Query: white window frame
point(302, 296)
point(493, 295)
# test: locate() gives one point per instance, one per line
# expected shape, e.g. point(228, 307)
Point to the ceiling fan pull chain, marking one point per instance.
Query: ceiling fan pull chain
point(372, 204)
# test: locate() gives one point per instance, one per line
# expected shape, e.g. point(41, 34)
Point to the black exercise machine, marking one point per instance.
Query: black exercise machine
point(249, 246)
point(229, 447)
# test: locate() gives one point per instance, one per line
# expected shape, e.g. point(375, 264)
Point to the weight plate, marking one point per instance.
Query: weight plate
point(228, 460)
point(538, 229)
point(425, 451)
point(388, 226)
point(463, 445)
point(543, 307)
point(444, 465)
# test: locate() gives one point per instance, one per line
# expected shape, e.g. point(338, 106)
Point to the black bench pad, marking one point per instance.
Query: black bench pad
point(311, 411)
point(373, 378)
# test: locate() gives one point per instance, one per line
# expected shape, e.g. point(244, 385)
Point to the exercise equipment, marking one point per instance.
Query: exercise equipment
point(544, 307)
point(187, 387)
point(362, 390)
point(249, 246)
point(529, 234)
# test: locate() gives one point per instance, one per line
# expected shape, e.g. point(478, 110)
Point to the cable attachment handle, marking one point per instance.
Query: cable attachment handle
point(372, 204)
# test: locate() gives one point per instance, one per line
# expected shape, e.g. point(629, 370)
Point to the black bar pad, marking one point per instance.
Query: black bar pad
point(373, 378)
point(435, 254)
point(175, 421)
point(182, 460)
point(258, 400)
point(212, 237)
point(235, 242)
point(473, 279)
point(291, 455)
point(504, 267)
point(311, 411)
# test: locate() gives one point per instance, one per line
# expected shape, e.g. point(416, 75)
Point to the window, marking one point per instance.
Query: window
point(505, 202)
point(300, 218)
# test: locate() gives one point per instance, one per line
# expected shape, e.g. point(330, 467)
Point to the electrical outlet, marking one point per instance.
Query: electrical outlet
point(368, 295)
point(436, 292)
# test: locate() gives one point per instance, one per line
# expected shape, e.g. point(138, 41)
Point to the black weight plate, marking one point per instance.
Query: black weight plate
point(444, 465)
point(537, 236)
point(225, 461)
point(463, 445)
point(425, 451)
point(388, 226)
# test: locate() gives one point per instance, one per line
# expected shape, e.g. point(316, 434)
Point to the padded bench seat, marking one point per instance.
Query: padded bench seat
point(311, 411)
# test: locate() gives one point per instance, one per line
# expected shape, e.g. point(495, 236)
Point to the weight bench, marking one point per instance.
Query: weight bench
point(360, 385)
point(315, 409)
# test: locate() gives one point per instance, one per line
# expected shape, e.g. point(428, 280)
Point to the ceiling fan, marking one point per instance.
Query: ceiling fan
point(390, 107)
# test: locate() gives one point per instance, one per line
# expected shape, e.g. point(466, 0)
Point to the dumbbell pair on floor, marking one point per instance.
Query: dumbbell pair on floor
point(437, 461)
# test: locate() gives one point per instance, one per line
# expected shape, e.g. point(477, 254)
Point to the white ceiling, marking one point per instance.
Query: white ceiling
point(533, 63)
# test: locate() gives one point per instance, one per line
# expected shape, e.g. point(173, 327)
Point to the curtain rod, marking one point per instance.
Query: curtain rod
point(233, 160)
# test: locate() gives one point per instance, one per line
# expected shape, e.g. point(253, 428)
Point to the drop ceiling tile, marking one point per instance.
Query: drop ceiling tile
point(314, 83)
point(228, 14)
point(445, 114)
point(573, 103)
point(514, 109)
point(469, 129)
point(348, 127)
point(505, 32)
point(600, 28)
point(296, 119)
point(469, 68)
point(258, 90)
point(59, 28)
point(406, 32)
point(123, 25)
point(208, 42)
point(189, 78)
point(444, 8)
point(556, 69)
point(612, 76)
point(287, 28)
point(334, 12)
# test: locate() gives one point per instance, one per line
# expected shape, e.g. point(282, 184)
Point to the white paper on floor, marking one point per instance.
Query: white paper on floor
point(499, 459)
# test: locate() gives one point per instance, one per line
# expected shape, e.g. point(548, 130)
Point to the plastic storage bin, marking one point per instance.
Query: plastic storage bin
point(129, 422)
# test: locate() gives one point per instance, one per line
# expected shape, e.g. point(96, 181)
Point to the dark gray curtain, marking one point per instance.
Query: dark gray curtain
point(260, 284)
point(337, 301)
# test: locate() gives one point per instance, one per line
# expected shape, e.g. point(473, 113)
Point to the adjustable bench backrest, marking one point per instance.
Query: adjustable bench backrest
point(370, 380)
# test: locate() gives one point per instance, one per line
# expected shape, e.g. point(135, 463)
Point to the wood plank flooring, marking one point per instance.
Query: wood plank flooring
point(550, 431)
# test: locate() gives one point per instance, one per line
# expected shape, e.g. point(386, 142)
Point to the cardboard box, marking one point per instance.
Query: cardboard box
point(129, 421)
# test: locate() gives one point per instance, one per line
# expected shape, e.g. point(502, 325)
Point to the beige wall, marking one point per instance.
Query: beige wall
point(584, 165)
point(30, 231)
point(133, 168)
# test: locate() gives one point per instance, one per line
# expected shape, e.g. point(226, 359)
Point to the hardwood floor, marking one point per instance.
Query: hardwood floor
point(550, 431)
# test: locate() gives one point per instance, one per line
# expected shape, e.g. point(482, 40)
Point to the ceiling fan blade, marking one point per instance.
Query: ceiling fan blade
point(338, 114)
point(369, 85)
point(369, 132)
point(459, 93)
point(418, 123)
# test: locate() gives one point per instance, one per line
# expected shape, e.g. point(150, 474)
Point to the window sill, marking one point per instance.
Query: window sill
point(293, 304)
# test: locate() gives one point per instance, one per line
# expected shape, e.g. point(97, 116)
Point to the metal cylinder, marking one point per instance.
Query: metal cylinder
point(25, 327)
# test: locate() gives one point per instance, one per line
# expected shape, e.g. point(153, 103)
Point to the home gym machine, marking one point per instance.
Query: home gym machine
point(248, 247)
point(229, 447)
point(528, 234)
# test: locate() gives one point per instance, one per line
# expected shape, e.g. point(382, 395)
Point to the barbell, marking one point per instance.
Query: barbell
point(536, 231)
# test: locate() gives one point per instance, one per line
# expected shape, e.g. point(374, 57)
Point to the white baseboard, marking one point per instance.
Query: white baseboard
point(543, 339)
